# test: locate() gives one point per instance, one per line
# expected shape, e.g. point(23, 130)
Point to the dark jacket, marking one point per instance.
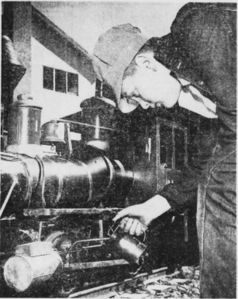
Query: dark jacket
point(201, 48)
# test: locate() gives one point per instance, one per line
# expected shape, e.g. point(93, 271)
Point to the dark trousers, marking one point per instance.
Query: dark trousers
point(216, 225)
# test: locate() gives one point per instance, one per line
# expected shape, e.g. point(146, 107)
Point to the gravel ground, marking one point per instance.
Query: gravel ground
point(181, 284)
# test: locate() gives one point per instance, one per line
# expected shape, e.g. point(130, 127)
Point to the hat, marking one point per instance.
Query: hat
point(113, 52)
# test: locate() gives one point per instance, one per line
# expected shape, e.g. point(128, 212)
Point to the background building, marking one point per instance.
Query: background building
point(54, 40)
point(59, 73)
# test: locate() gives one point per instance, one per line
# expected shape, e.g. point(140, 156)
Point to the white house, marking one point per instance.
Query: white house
point(59, 72)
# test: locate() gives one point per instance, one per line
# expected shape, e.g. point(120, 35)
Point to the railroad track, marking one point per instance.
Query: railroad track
point(108, 290)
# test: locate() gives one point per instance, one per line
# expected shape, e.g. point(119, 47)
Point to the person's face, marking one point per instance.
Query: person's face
point(151, 85)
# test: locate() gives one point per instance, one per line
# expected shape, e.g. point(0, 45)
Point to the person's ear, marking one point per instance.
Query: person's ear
point(146, 60)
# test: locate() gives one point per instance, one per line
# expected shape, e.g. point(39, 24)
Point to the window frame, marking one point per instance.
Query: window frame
point(67, 74)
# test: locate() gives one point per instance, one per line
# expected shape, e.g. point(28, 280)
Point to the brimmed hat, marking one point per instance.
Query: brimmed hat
point(113, 52)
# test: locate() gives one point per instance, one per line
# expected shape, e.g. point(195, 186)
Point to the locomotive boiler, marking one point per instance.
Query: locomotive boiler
point(56, 207)
point(54, 186)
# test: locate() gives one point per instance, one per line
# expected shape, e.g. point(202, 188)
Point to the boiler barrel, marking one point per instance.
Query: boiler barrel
point(55, 182)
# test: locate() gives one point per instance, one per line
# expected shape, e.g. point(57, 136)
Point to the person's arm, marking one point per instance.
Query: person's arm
point(175, 197)
point(147, 211)
point(136, 218)
point(182, 194)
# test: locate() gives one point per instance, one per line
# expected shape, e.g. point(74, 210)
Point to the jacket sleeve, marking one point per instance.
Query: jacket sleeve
point(182, 194)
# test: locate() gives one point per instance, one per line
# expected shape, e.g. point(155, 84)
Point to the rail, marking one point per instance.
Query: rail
point(106, 289)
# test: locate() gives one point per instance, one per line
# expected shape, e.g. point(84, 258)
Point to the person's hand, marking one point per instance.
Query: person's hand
point(133, 226)
point(138, 217)
point(136, 212)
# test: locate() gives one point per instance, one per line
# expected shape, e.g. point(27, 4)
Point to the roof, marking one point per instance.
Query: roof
point(64, 35)
point(50, 34)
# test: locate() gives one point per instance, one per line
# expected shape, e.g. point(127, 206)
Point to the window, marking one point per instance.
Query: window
point(102, 90)
point(60, 81)
point(72, 83)
point(48, 77)
point(166, 145)
point(173, 145)
point(180, 148)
